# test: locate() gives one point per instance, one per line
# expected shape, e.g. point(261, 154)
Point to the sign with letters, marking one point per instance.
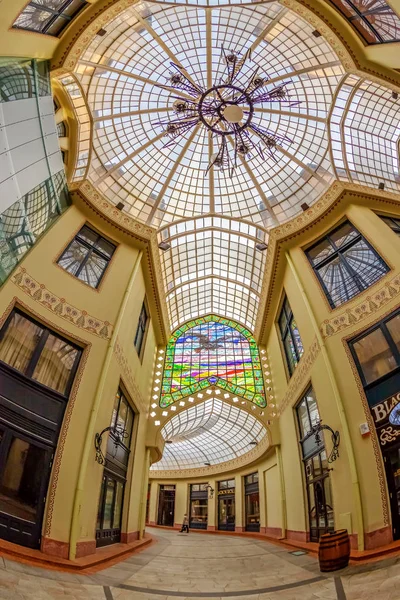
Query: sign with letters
point(386, 416)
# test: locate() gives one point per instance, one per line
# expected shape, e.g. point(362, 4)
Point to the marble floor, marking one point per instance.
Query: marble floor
point(205, 566)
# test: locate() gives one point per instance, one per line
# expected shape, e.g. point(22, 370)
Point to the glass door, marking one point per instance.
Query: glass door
point(319, 497)
point(108, 528)
point(24, 474)
point(166, 506)
point(392, 464)
point(226, 513)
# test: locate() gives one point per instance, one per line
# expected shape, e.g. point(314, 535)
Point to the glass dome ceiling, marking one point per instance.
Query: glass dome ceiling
point(210, 433)
point(344, 127)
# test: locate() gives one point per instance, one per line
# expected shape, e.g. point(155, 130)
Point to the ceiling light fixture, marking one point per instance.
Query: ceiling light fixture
point(226, 110)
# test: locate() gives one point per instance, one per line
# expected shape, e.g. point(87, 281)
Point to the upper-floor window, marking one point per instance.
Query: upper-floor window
point(122, 418)
point(249, 479)
point(290, 336)
point(393, 222)
point(374, 20)
point(377, 351)
point(38, 352)
point(141, 329)
point(345, 264)
point(307, 413)
point(48, 16)
point(87, 256)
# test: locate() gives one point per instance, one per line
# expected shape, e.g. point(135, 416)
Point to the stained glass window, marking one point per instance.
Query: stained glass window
point(212, 351)
point(375, 20)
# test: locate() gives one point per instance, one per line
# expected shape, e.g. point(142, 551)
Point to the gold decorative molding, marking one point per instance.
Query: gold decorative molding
point(128, 377)
point(142, 231)
point(363, 309)
point(59, 306)
point(297, 381)
point(223, 467)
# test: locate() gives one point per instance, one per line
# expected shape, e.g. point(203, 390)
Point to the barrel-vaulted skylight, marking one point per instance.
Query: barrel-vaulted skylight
point(340, 126)
point(208, 434)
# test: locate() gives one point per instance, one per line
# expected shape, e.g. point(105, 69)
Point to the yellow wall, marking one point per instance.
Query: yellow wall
point(103, 304)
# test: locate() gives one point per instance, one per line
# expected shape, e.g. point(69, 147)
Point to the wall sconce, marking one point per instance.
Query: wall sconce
point(118, 433)
point(335, 436)
point(210, 491)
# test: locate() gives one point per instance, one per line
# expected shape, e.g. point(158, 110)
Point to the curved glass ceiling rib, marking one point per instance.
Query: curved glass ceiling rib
point(211, 432)
point(126, 76)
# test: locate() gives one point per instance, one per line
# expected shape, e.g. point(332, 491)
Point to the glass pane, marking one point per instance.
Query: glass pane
point(375, 357)
point(119, 496)
point(115, 409)
point(19, 342)
point(339, 282)
point(312, 407)
point(93, 270)
point(320, 252)
point(88, 235)
point(252, 508)
point(198, 511)
point(282, 322)
point(313, 511)
point(296, 337)
point(73, 257)
point(329, 502)
point(394, 329)
point(55, 364)
point(365, 263)
point(122, 414)
point(108, 502)
point(100, 508)
point(33, 18)
point(290, 353)
point(344, 235)
point(21, 480)
point(128, 426)
point(316, 466)
point(304, 421)
point(105, 247)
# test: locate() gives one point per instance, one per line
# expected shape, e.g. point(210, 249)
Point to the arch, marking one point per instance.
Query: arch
point(212, 352)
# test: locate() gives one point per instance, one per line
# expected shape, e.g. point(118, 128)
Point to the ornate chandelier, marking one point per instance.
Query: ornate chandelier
point(226, 110)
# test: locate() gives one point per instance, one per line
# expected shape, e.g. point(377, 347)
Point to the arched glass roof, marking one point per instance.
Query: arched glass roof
point(344, 127)
point(210, 433)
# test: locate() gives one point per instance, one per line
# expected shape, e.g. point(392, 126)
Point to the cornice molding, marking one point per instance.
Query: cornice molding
point(338, 193)
point(145, 235)
point(225, 467)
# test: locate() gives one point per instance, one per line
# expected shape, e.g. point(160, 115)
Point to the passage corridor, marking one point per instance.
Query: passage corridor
point(205, 566)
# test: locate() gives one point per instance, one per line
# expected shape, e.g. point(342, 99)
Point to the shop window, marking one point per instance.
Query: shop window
point(166, 505)
point(87, 256)
point(374, 20)
point(252, 502)
point(226, 505)
point(377, 351)
point(290, 336)
point(38, 353)
point(393, 222)
point(198, 512)
point(345, 264)
point(318, 487)
point(141, 329)
point(109, 514)
point(48, 16)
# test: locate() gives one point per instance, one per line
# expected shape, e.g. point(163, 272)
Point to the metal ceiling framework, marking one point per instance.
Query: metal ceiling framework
point(344, 127)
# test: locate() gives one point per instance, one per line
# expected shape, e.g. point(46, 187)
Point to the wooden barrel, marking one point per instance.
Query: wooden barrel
point(334, 550)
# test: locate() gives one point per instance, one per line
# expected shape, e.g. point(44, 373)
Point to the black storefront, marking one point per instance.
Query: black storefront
point(37, 369)
point(166, 505)
point(252, 502)
point(198, 513)
point(226, 505)
point(376, 353)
